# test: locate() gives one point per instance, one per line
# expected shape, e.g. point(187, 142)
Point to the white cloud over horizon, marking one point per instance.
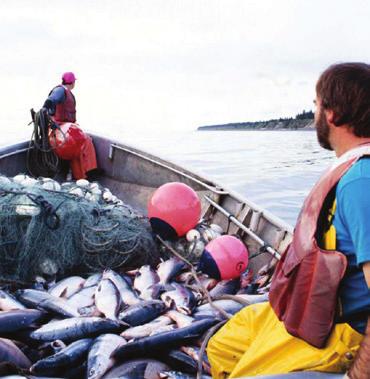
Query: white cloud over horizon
point(174, 64)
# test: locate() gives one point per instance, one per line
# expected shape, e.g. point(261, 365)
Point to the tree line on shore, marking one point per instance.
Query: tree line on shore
point(303, 120)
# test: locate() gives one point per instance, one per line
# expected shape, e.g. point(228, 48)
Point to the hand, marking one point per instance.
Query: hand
point(48, 104)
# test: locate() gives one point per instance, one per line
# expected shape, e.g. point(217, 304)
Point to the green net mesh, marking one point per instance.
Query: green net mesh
point(50, 229)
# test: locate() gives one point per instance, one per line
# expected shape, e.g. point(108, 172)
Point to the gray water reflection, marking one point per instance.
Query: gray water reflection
point(274, 169)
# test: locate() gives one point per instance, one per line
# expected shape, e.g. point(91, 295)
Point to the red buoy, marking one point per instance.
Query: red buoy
point(225, 257)
point(67, 141)
point(173, 210)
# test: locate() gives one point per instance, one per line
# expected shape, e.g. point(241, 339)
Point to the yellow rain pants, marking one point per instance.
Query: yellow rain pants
point(254, 342)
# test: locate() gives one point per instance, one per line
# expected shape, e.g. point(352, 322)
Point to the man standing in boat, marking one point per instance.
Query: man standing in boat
point(319, 303)
point(69, 141)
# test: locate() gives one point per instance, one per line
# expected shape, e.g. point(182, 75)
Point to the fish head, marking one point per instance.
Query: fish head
point(93, 373)
point(184, 309)
point(168, 300)
point(143, 269)
point(159, 305)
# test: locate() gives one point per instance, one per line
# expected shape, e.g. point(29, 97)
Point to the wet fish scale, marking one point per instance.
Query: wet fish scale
point(143, 312)
point(70, 355)
point(99, 359)
point(67, 287)
point(179, 375)
point(137, 369)
point(84, 298)
point(9, 352)
point(146, 329)
point(75, 328)
point(182, 298)
point(93, 280)
point(225, 287)
point(12, 321)
point(170, 268)
point(145, 278)
point(165, 340)
point(181, 319)
point(8, 302)
point(43, 300)
point(128, 296)
point(206, 310)
point(181, 361)
point(107, 299)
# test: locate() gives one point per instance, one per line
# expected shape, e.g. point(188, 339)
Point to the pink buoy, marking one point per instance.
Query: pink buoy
point(224, 258)
point(173, 210)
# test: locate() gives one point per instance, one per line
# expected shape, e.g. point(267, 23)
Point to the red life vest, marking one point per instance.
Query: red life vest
point(66, 111)
point(304, 288)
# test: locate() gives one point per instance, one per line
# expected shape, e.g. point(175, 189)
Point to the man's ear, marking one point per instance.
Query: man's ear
point(330, 117)
point(333, 119)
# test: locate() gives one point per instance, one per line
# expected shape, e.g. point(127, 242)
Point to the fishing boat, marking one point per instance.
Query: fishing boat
point(133, 175)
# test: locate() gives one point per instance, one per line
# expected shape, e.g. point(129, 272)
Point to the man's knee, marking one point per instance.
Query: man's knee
point(212, 347)
point(216, 359)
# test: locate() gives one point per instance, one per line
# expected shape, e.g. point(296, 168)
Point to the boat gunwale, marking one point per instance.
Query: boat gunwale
point(227, 191)
point(191, 174)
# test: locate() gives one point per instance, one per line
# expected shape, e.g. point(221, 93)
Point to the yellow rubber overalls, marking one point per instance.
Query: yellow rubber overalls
point(254, 342)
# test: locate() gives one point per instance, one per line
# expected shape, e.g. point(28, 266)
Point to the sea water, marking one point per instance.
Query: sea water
point(274, 169)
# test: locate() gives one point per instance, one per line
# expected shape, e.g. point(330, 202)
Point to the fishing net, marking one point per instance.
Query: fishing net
point(68, 230)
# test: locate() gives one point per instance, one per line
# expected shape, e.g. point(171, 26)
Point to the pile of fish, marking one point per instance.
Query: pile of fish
point(146, 323)
point(81, 188)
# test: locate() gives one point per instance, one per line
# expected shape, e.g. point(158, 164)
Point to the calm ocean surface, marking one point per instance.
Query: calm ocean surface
point(274, 169)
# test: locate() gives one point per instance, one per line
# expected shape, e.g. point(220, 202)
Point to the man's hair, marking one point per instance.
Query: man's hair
point(345, 89)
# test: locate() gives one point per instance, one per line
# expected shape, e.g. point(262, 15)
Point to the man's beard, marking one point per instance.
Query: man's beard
point(322, 131)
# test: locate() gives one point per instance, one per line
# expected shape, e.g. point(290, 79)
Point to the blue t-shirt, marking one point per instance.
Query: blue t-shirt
point(56, 96)
point(352, 224)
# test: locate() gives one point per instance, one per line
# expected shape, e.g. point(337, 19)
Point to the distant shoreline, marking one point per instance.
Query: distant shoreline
point(300, 122)
point(256, 130)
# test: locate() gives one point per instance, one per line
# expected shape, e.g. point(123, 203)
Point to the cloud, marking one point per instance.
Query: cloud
point(172, 64)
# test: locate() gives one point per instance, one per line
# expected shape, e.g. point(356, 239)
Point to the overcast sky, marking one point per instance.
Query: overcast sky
point(174, 64)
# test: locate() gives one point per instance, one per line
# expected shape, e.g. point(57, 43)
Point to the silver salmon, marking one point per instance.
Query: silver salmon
point(145, 282)
point(43, 300)
point(93, 280)
point(67, 287)
point(181, 319)
point(69, 356)
point(181, 298)
point(179, 375)
point(164, 341)
point(8, 302)
point(9, 352)
point(72, 329)
point(84, 298)
point(170, 268)
point(142, 313)
point(206, 310)
point(224, 287)
point(137, 369)
point(128, 296)
point(145, 330)
point(161, 329)
point(107, 299)
point(99, 359)
point(18, 319)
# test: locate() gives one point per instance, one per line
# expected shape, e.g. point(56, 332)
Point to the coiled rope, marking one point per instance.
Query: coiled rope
point(41, 157)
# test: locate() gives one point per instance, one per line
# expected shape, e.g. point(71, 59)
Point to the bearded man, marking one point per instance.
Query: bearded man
point(319, 303)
